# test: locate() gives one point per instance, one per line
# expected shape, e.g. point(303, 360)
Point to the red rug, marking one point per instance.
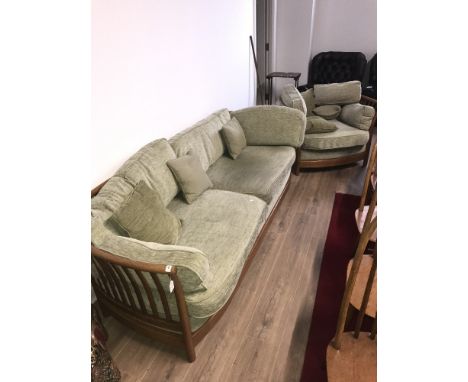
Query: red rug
point(340, 245)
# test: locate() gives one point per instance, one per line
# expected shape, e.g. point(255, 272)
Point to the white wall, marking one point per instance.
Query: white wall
point(293, 37)
point(345, 25)
point(159, 66)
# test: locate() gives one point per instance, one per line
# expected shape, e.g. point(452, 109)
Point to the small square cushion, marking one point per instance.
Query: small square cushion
point(328, 111)
point(309, 100)
point(316, 124)
point(143, 216)
point(234, 137)
point(357, 115)
point(190, 176)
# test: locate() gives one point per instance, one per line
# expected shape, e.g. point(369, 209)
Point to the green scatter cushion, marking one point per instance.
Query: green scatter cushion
point(316, 124)
point(234, 137)
point(143, 216)
point(328, 111)
point(190, 176)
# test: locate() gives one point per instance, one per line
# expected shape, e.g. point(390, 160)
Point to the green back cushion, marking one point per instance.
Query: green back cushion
point(234, 137)
point(309, 100)
point(144, 216)
point(337, 93)
point(149, 165)
point(203, 139)
point(291, 97)
point(190, 176)
point(328, 111)
point(357, 115)
point(316, 124)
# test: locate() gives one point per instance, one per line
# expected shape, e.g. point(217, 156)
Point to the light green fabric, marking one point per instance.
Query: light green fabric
point(224, 225)
point(330, 154)
point(234, 137)
point(316, 124)
point(203, 138)
point(357, 115)
point(337, 93)
point(309, 100)
point(193, 265)
point(328, 111)
point(272, 125)
point(258, 170)
point(190, 176)
point(149, 165)
point(291, 97)
point(344, 136)
point(144, 216)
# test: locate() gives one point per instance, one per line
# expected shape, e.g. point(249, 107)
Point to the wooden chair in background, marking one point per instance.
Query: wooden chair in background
point(351, 357)
point(365, 213)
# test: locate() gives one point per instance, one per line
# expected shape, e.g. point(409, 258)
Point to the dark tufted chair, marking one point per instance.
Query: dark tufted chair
point(371, 89)
point(330, 67)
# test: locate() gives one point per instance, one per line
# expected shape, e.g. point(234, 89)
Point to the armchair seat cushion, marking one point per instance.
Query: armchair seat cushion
point(224, 225)
point(344, 136)
point(258, 170)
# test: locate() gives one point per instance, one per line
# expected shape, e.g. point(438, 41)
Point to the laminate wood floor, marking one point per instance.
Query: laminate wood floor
point(263, 334)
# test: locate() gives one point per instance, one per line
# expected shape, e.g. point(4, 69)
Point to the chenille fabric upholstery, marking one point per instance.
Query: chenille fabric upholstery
point(330, 67)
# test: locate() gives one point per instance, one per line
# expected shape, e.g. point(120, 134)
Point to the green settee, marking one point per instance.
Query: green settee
point(175, 293)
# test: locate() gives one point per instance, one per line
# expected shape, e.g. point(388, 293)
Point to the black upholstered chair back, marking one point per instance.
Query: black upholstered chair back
point(330, 67)
point(373, 71)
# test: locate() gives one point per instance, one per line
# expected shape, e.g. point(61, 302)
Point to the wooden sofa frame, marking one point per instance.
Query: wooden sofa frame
point(114, 293)
point(343, 160)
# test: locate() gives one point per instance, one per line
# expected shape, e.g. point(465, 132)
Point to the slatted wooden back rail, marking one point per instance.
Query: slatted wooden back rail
point(119, 284)
point(366, 235)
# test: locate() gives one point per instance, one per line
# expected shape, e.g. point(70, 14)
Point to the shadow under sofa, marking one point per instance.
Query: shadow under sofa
point(176, 293)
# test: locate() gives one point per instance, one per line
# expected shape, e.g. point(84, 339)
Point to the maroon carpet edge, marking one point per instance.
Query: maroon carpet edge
point(340, 245)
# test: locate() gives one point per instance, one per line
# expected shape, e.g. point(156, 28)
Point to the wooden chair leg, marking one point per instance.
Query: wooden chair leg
point(296, 167)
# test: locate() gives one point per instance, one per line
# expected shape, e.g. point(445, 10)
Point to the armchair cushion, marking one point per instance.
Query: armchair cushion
point(316, 124)
point(272, 125)
point(234, 137)
point(357, 115)
point(328, 111)
point(291, 97)
point(144, 216)
point(338, 93)
point(309, 100)
point(344, 136)
point(190, 176)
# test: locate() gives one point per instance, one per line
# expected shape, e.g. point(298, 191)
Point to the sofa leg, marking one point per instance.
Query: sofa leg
point(189, 348)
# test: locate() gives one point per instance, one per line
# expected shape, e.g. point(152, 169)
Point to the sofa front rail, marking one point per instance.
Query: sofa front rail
point(131, 291)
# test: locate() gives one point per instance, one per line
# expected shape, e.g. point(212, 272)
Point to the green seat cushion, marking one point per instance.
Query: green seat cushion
point(337, 93)
point(144, 216)
point(316, 124)
point(328, 111)
point(357, 115)
point(258, 170)
point(309, 100)
point(234, 137)
point(330, 154)
point(344, 136)
point(190, 176)
point(224, 225)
